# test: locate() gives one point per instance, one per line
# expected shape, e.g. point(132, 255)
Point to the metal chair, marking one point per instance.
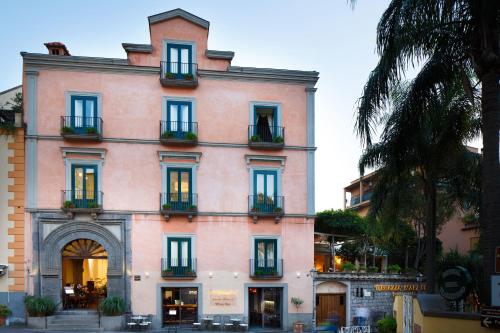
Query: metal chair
point(243, 325)
point(228, 324)
point(197, 325)
point(145, 323)
point(217, 323)
point(131, 324)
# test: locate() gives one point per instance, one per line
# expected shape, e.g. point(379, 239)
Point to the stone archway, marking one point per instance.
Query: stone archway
point(332, 302)
point(50, 256)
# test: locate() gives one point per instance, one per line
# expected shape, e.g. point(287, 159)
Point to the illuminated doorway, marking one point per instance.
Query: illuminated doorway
point(84, 274)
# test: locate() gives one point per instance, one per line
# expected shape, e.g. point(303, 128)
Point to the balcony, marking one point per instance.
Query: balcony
point(78, 201)
point(266, 137)
point(81, 128)
point(175, 268)
point(175, 74)
point(261, 206)
point(179, 133)
point(179, 204)
point(266, 269)
point(355, 200)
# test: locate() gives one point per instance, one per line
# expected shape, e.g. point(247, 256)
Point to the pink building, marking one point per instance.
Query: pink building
point(167, 179)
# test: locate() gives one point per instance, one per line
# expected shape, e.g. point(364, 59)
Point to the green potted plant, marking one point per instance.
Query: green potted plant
point(167, 272)
point(188, 76)
point(169, 76)
point(91, 130)
point(348, 267)
point(192, 208)
point(278, 210)
point(4, 313)
point(167, 135)
point(190, 136)
point(387, 325)
point(112, 309)
point(278, 139)
point(68, 204)
point(298, 326)
point(394, 269)
point(372, 269)
point(67, 130)
point(92, 205)
point(38, 309)
point(166, 206)
point(255, 138)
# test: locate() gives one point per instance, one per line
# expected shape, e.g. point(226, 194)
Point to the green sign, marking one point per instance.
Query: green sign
point(454, 283)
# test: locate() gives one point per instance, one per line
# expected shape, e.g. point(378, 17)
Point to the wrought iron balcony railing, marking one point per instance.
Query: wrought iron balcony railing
point(75, 200)
point(266, 137)
point(179, 204)
point(179, 132)
point(176, 74)
point(261, 205)
point(266, 268)
point(178, 268)
point(81, 128)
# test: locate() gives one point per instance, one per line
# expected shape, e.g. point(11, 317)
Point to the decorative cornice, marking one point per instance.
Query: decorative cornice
point(142, 48)
point(195, 156)
point(84, 151)
point(265, 158)
point(178, 13)
point(215, 54)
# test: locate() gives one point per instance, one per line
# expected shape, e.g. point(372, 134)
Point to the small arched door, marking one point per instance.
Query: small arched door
point(84, 273)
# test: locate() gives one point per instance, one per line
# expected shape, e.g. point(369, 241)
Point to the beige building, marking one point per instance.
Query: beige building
point(12, 256)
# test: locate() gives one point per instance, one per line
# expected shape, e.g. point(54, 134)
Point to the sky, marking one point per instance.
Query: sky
point(327, 36)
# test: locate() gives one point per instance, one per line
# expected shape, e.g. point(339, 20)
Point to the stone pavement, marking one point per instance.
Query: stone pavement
point(23, 329)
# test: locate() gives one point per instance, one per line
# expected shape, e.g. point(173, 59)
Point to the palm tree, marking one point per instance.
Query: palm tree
point(427, 140)
point(450, 38)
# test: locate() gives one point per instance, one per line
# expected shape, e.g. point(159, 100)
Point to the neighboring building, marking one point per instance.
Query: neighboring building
point(358, 193)
point(12, 255)
point(166, 178)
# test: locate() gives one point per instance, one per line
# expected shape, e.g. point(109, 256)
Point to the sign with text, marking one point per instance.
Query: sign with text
point(490, 317)
point(223, 297)
point(400, 287)
point(454, 283)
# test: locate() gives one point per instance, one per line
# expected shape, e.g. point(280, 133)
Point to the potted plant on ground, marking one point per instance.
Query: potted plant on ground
point(4, 313)
point(112, 309)
point(298, 326)
point(38, 309)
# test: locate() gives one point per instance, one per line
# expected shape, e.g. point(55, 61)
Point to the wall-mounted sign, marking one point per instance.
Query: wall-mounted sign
point(222, 297)
point(454, 283)
point(495, 290)
point(137, 278)
point(490, 317)
point(400, 287)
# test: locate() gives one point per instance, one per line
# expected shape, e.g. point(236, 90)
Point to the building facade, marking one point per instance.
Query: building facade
point(166, 179)
point(12, 235)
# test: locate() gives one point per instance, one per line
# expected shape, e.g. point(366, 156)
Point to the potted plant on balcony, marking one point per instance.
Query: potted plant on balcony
point(255, 138)
point(92, 205)
point(188, 77)
point(348, 267)
point(169, 76)
point(166, 206)
point(39, 309)
point(4, 313)
point(167, 135)
point(91, 130)
point(192, 208)
point(298, 326)
point(278, 139)
point(112, 309)
point(68, 204)
point(67, 130)
point(278, 210)
point(190, 136)
point(167, 272)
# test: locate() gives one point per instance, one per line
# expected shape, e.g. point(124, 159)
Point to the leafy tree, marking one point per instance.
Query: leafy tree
point(416, 155)
point(449, 38)
point(340, 222)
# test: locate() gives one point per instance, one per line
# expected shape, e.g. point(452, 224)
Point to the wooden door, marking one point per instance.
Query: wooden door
point(329, 306)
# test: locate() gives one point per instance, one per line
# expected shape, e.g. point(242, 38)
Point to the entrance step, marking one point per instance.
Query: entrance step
point(74, 321)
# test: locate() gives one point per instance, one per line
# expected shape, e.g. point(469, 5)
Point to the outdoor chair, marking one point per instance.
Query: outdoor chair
point(243, 325)
point(197, 325)
point(228, 324)
point(217, 323)
point(131, 324)
point(145, 323)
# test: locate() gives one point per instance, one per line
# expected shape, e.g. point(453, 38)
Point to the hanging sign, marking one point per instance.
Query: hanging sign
point(454, 283)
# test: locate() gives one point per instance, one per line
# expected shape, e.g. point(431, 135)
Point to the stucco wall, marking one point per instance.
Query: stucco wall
point(455, 237)
point(5, 196)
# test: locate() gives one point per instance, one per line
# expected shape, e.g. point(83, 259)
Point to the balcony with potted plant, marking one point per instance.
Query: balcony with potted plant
point(178, 268)
point(266, 269)
point(81, 128)
point(266, 206)
point(78, 201)
point(177, 74)
point(179, 204)
point(179, 133)
point(266, 137)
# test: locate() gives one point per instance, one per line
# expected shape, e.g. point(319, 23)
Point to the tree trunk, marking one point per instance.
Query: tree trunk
point(490, 179)
point(430, 246)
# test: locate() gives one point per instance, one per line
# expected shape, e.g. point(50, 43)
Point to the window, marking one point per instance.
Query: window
point(266, 255)
point(83, 113)
point(84, 192)
point(179, 253)
point(266, 123)
point(265, 190)
point(179, 59)
point(179, 118)
point(179, 188)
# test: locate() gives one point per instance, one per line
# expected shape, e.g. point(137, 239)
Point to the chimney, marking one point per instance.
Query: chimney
point(57, 48)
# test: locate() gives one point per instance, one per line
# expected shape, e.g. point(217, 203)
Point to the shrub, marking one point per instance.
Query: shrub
point(112, 306)
point(190, 136)
point(372, 269)
point(387, 325)
point(348, 266)
point(39, 306)
point(4, 311)
point(394, 268)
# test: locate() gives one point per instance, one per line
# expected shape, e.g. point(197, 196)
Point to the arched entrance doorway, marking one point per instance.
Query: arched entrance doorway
point(331, 302)
point(84, 273)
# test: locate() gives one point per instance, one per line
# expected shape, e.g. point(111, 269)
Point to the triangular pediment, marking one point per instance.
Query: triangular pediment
point(178, 13)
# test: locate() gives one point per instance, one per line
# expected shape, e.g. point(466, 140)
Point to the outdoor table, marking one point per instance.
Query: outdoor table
point(207, 322)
